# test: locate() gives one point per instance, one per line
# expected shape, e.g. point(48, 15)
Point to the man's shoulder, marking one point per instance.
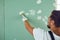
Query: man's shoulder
point(39, 29)
point(40, 33)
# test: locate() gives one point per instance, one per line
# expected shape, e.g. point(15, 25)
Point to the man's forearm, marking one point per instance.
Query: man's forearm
point(28, 26)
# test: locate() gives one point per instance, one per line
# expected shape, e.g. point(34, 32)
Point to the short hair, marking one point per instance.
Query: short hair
point(56, 17)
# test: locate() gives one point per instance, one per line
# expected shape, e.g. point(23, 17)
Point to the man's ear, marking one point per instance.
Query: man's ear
point(52, 22)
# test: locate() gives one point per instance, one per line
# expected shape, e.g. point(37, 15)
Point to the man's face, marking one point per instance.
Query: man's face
point(48, 23)
point(51, 24)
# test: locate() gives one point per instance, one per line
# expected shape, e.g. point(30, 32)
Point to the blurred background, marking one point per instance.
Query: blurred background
point(11, 24)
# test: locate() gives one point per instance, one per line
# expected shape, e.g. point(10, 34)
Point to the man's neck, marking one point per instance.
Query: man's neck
point(57, 32)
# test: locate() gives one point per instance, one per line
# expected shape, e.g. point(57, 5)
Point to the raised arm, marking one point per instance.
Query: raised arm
point(27, 24)
point(28, 27)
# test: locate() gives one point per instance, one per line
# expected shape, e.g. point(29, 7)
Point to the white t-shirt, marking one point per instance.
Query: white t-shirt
point(40, 34)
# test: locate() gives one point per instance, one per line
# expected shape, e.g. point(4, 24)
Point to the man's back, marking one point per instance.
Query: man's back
point(40, 34)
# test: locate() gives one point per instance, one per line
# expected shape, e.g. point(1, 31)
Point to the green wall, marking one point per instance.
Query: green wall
point(2, 20)
point(11, 24)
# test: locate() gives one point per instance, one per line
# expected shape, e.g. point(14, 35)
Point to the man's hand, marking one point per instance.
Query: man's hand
point(23, 16)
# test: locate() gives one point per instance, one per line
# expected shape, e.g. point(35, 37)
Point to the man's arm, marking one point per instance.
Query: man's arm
point(28, 27)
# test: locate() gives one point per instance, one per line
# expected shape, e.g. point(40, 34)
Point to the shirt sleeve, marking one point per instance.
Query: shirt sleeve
point(38, 33)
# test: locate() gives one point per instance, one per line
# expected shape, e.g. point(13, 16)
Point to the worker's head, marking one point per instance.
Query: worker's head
point(54, 20)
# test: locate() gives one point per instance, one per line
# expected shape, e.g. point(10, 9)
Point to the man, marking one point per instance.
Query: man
point(53, 25)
